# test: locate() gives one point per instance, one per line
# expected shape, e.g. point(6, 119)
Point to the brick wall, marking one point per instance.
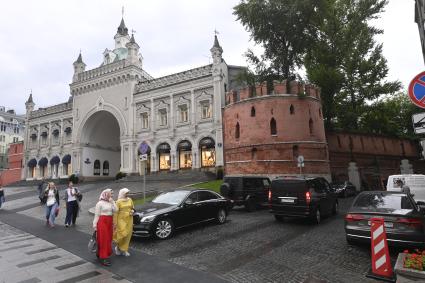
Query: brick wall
point(13, 173)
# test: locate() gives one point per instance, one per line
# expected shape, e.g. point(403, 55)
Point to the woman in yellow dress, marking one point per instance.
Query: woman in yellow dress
point(123, 219)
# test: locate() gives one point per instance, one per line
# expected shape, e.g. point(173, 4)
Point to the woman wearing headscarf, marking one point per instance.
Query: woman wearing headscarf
point(51, 194)
point(123, 219)
point(103, 224)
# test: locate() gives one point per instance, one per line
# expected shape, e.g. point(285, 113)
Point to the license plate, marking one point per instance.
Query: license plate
point(287, 200)
point(386, 224)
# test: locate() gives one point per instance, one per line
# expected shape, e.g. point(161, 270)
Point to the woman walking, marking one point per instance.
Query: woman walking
point(123, 219)
point(52, 203)
point(71, 205)
point(2, 199)
point(103, 225)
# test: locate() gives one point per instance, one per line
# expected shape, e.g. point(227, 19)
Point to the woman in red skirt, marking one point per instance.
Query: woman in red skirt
point(103, 224)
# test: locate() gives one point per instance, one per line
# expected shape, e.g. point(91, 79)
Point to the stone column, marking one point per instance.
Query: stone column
point(406, 167)
point(192, 107)
point(153, 126)
point(353, 175)
point(173, 160)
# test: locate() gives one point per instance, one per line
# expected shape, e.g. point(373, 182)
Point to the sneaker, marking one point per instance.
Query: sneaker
point(117, 251)
point(105, 262)
point(126, 254)
point(66, 225)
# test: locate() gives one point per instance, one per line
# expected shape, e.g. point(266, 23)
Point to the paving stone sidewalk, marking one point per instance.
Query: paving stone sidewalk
point(25, 258)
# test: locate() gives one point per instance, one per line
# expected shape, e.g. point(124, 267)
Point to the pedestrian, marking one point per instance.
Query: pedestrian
point(404, 188)
point(103, 225)
point(71, 205)
point(41, 190)
point(51, 194)
point(2, 199)
point(123, 219)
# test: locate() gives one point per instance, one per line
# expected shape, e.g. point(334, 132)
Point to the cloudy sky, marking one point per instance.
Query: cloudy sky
point(39, 40)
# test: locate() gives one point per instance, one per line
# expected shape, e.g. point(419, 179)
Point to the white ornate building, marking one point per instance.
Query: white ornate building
point(117, 106)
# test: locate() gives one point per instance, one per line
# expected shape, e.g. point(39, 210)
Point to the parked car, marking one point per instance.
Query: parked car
point(403, 219)
point(415, 182)
point(250, 191)
point(344, 189)
point(177, 209)
point(298, 197)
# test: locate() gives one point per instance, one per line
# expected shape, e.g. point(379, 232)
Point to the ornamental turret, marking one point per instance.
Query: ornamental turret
point(216, 52)
point(29, 105)
point(133, 52)
point(122, 37)
point(79, 67)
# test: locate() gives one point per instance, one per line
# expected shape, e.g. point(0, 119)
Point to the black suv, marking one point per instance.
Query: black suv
point(250, 191)
point(298, 197)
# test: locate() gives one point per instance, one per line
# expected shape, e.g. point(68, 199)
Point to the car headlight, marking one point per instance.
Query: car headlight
point(148, 219)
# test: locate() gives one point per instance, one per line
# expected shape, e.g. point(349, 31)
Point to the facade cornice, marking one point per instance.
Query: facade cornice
point(174, 79)
point(59, 108)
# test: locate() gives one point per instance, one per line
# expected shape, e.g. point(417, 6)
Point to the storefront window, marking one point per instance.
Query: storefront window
point(207, 146)
point(185, 159)
point(164, 161)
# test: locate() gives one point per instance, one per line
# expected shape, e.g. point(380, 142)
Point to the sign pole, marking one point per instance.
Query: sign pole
point(144, 182)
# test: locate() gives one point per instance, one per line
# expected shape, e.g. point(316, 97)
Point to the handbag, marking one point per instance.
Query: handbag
point(56, 211)
point(92, 246)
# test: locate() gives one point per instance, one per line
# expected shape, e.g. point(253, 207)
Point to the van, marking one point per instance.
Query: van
point(416, 183)
point(250, 191)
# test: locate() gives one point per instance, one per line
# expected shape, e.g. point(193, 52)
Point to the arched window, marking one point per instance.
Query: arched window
point(291, 110)
point(273, 130)
point(252, 111)
point(96, 168)
point(237, 132)
point(105, 168)
point(310, 126)
point(295, 152)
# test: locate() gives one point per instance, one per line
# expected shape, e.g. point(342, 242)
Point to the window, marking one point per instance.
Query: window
point(3, 127)
point(206, 110)
point(273, 130)
point(291, 110)
point(204, 196)
point(96, 168)
point(145, 120)
point(237, 132)
point(105, 168)
point(163, 117)
point(295, 152)
point(252, 111)
point(310, 126)
point(183, 117)
point(193, 197)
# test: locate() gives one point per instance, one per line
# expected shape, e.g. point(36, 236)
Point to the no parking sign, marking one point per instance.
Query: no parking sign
point(417, 90)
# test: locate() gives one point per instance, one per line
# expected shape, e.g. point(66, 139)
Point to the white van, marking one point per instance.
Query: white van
point(415, 182)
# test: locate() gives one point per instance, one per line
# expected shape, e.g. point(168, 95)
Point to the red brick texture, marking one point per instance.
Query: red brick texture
point(13, 173)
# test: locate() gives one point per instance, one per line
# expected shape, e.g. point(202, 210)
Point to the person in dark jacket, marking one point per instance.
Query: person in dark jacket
point(71, 204)
point(51, 194)
point(2, 199)
point(40, 189)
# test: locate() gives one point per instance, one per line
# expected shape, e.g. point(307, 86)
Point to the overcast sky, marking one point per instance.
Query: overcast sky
point(39, 40)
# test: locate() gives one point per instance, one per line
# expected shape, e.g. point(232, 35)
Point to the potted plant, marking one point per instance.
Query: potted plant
point(411, 265)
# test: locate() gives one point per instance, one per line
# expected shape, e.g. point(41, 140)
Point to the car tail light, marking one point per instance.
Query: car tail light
point(354, 217)
point(308, 197)
point(270, 195)
point(412, 222)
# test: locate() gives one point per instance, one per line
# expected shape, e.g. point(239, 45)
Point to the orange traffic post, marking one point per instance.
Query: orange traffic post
point(381, 261)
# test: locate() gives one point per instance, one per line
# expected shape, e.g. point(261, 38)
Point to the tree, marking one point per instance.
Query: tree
point(347, 63)
point(284, 28)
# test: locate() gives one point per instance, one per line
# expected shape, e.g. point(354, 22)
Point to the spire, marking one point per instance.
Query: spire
point(216, 44)
point(132, 40)
point(29, 99)
point(122, 29)
point(79, 59)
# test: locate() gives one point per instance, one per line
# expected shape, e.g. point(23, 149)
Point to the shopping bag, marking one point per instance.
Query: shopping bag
point(92, 246)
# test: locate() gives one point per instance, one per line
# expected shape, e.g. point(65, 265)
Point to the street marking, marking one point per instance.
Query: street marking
point(81, 277)
point(31, 280)
point(69, 265)
point(25, 264)
point(41, 250)
point(16, 247)
point(19, 240)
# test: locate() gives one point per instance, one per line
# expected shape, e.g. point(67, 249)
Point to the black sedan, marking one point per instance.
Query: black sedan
point(403, 220)
point(344, 189)
point(177, 209)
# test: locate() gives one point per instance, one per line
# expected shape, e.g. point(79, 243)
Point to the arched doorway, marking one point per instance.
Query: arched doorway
point(185, 154)
point(32, 164)
point(207, 149)
point(163, 151)
point(54, 166)
point(66, 161)
point(42, 163)
point(100, 139)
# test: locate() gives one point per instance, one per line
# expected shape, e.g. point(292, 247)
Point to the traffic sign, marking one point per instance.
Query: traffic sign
point(417, 90)
point(143, 157)
point(300, 160)
point(419, 123)
point(143, 147)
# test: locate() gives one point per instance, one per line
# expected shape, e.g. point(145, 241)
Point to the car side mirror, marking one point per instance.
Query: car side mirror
point(188, 202)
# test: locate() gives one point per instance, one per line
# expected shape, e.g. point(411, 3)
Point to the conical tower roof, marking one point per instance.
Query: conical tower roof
point(122, 29)
point(217, 44)
point(29, 99)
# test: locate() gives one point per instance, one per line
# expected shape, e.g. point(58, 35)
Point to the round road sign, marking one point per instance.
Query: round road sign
point(417, 90)
point(143, 148)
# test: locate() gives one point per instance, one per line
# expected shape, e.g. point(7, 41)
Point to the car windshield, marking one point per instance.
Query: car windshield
point(171, 197)
point(383, 202)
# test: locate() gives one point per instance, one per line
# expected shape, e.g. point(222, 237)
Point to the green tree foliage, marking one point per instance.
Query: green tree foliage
point(391, 115)
point(284, 28)
point(347, 62)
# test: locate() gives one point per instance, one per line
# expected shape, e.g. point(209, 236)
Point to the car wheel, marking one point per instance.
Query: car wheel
point(163, 229)
point(221, 216)
point(316, 217)
point(335, 208)
point(279, 218)
point(250, 205)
